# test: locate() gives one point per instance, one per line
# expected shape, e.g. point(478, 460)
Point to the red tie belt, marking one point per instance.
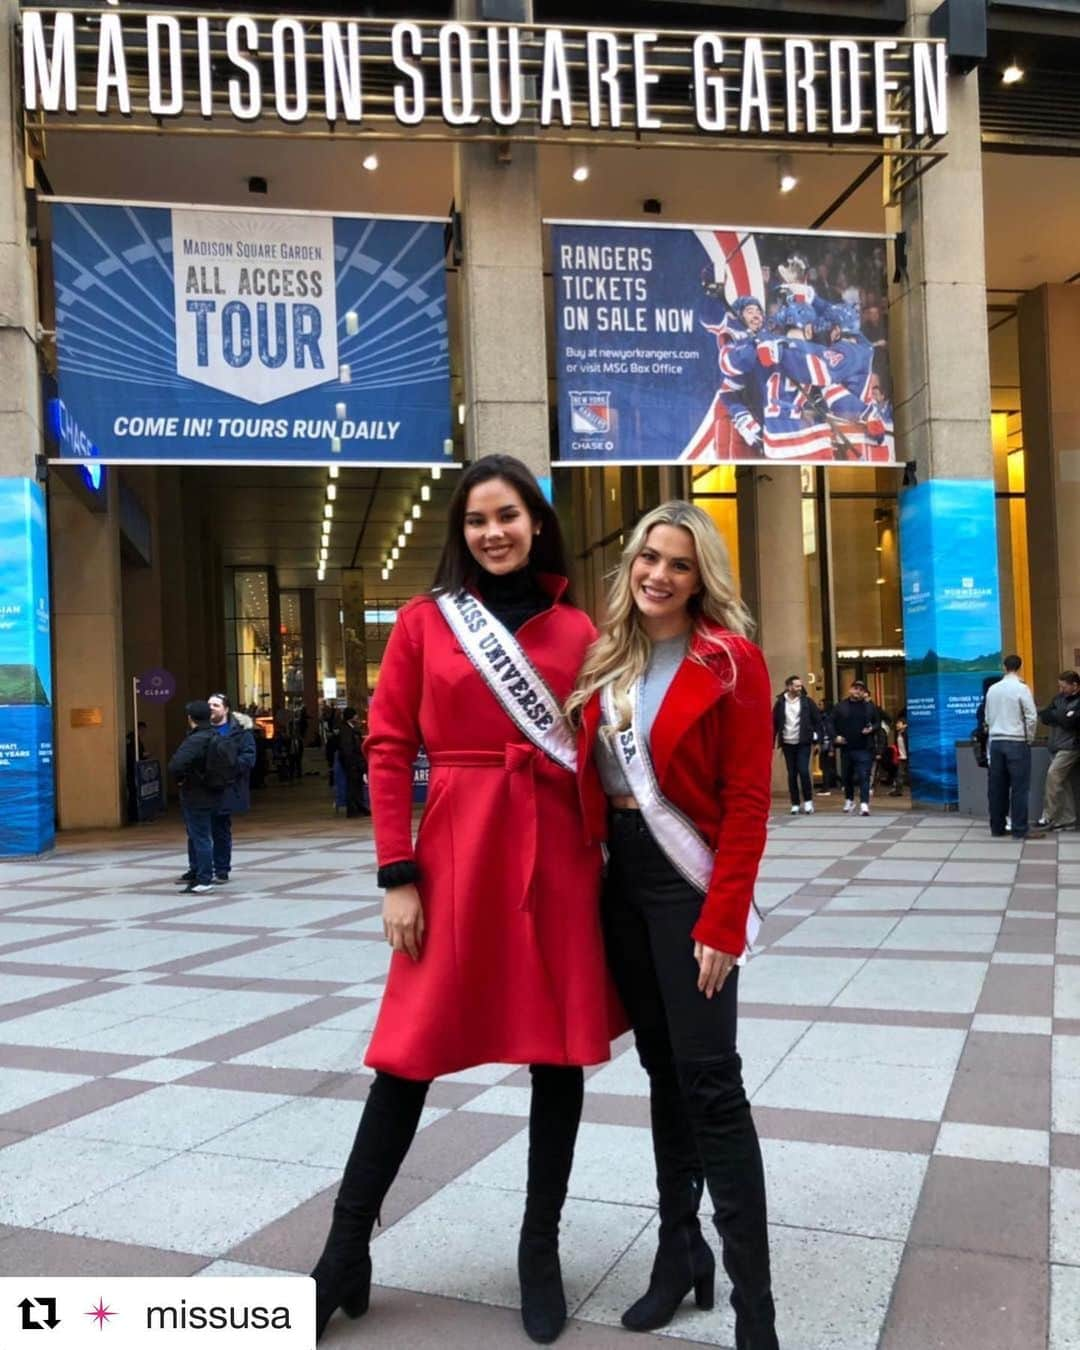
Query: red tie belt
point(518, 761)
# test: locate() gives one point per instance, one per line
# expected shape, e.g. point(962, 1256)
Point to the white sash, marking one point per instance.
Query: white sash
point(510, 676)
point(675, 833)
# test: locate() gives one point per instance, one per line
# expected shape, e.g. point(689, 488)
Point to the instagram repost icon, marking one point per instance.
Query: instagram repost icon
point(590, 412)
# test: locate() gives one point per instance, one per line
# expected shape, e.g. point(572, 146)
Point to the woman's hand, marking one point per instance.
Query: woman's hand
point(713, 968)
point(403, 920)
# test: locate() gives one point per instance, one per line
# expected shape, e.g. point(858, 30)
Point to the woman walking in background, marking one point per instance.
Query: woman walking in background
point(674, 703)
point(494, 914)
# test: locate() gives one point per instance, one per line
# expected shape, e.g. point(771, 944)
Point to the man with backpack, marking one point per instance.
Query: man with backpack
point(235, 756)
point(197, 768)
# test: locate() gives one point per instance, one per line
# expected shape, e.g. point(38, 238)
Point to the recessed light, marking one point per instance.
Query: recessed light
point(370, 162)
point(1012, 74)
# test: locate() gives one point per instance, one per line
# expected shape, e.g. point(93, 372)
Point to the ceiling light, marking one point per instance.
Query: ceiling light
point(323, 554)
point(326, 529)
point(340, 410)
point(390, 564)
point(401, 541)
point(386, 574)
point(345, 373)
point(579, 170)
point(334, 471)
point(436, 473)
point(395, 553)
point(425, 492)
point(881, 581)
point(1012, 74)
point(370, 162)
point(335, 445)
point(352, 322)
point(786, 174)
point(416, 511)
point(328, 511)
point(408, 527)
point(321, 574)
point(331, 491)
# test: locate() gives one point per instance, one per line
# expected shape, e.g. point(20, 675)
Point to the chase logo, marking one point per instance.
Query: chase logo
point(590, 412)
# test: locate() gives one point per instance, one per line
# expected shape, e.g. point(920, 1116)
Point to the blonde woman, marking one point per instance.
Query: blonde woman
point(674, 703)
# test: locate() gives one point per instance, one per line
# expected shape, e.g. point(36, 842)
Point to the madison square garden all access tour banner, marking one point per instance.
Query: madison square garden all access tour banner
point(720, 345)
point(190, 334)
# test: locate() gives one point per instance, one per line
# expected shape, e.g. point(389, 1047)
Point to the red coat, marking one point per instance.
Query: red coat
point(512, 965)
point(711, 746)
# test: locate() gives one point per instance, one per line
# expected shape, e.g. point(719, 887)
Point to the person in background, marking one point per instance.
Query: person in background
point(1062, 716)
point(857, 721)
point(1011, 720)
point(236, 798)
point(353, 764)
point(134, 750)
point(900, 746)
point(797, 726)
point(198, 801)
point(830, 777)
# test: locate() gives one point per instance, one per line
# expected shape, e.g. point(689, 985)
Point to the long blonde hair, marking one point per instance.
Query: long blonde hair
point(620, 654)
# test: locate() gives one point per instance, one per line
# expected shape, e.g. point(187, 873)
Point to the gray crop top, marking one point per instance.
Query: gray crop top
point(665, 660)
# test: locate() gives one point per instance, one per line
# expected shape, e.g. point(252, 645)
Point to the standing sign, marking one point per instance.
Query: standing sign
point(190, 335)
point(158, 686)
point(952, 623)
point(720, 345)
point(27, 822)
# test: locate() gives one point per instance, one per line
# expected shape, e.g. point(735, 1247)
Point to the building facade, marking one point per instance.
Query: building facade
point(217, 574)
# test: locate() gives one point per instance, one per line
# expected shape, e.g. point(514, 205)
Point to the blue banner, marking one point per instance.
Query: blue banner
point(952, 623)
point(720, 345)
point(27, 819)
point(188, 335)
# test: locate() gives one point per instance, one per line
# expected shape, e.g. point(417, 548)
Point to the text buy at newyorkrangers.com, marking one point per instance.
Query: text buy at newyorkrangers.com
point(130, 1312)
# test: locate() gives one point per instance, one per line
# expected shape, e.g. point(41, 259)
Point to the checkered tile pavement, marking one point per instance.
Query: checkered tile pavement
point(180, 1081)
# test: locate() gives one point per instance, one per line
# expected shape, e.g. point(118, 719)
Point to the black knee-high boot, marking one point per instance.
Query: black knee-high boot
point(387, 1128)
point(554, 1114)
point(731, 1156)
point(683, 1260)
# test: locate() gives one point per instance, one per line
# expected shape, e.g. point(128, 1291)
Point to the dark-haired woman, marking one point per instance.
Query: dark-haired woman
point(493, 915)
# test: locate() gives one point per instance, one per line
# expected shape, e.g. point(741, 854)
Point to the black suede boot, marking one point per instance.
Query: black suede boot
point(731, 1156)
point(554, 1114)
point(387, 1128)
point(684, 1260)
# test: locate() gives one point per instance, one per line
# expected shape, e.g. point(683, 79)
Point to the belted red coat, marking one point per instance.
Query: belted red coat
point(512, 965)
point(711, 748)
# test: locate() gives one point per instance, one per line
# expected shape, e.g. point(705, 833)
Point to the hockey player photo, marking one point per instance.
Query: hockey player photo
point(733, 346)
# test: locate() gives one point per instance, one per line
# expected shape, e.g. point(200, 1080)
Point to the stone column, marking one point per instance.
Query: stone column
point(90, 694)
point(501, 281)
point(937, 311)
point(355, 637)
point(1050, 397)
point(772, 570)
point(940, 367)
point(20, 401)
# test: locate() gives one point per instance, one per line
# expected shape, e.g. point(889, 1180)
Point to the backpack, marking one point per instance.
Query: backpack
point(221, 769)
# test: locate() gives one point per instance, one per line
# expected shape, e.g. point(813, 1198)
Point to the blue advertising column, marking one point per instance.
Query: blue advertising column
point(27, 823)
point(952, 623)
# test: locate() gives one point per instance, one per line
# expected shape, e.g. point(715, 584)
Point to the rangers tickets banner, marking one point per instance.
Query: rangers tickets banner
point(720, 345)
point(195, 335)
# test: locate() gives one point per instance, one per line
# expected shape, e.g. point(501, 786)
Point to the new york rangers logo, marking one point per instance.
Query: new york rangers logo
point(590, 412)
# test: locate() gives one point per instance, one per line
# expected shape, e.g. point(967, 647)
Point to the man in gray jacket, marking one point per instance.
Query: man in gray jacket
point(1011, 721)
point(1062, 716)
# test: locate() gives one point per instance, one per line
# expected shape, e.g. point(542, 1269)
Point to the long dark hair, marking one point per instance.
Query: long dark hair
point(458, 570)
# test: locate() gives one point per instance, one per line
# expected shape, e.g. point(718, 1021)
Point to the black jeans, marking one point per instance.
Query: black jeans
point(1010, 783)
point(686, 1044)
point(797, 759)
point(857, 764)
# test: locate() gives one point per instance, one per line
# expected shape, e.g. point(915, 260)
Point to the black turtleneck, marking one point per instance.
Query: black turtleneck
point(513, 597)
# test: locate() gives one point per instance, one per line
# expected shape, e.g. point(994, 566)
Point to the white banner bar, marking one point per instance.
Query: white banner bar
point(114, 1312)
